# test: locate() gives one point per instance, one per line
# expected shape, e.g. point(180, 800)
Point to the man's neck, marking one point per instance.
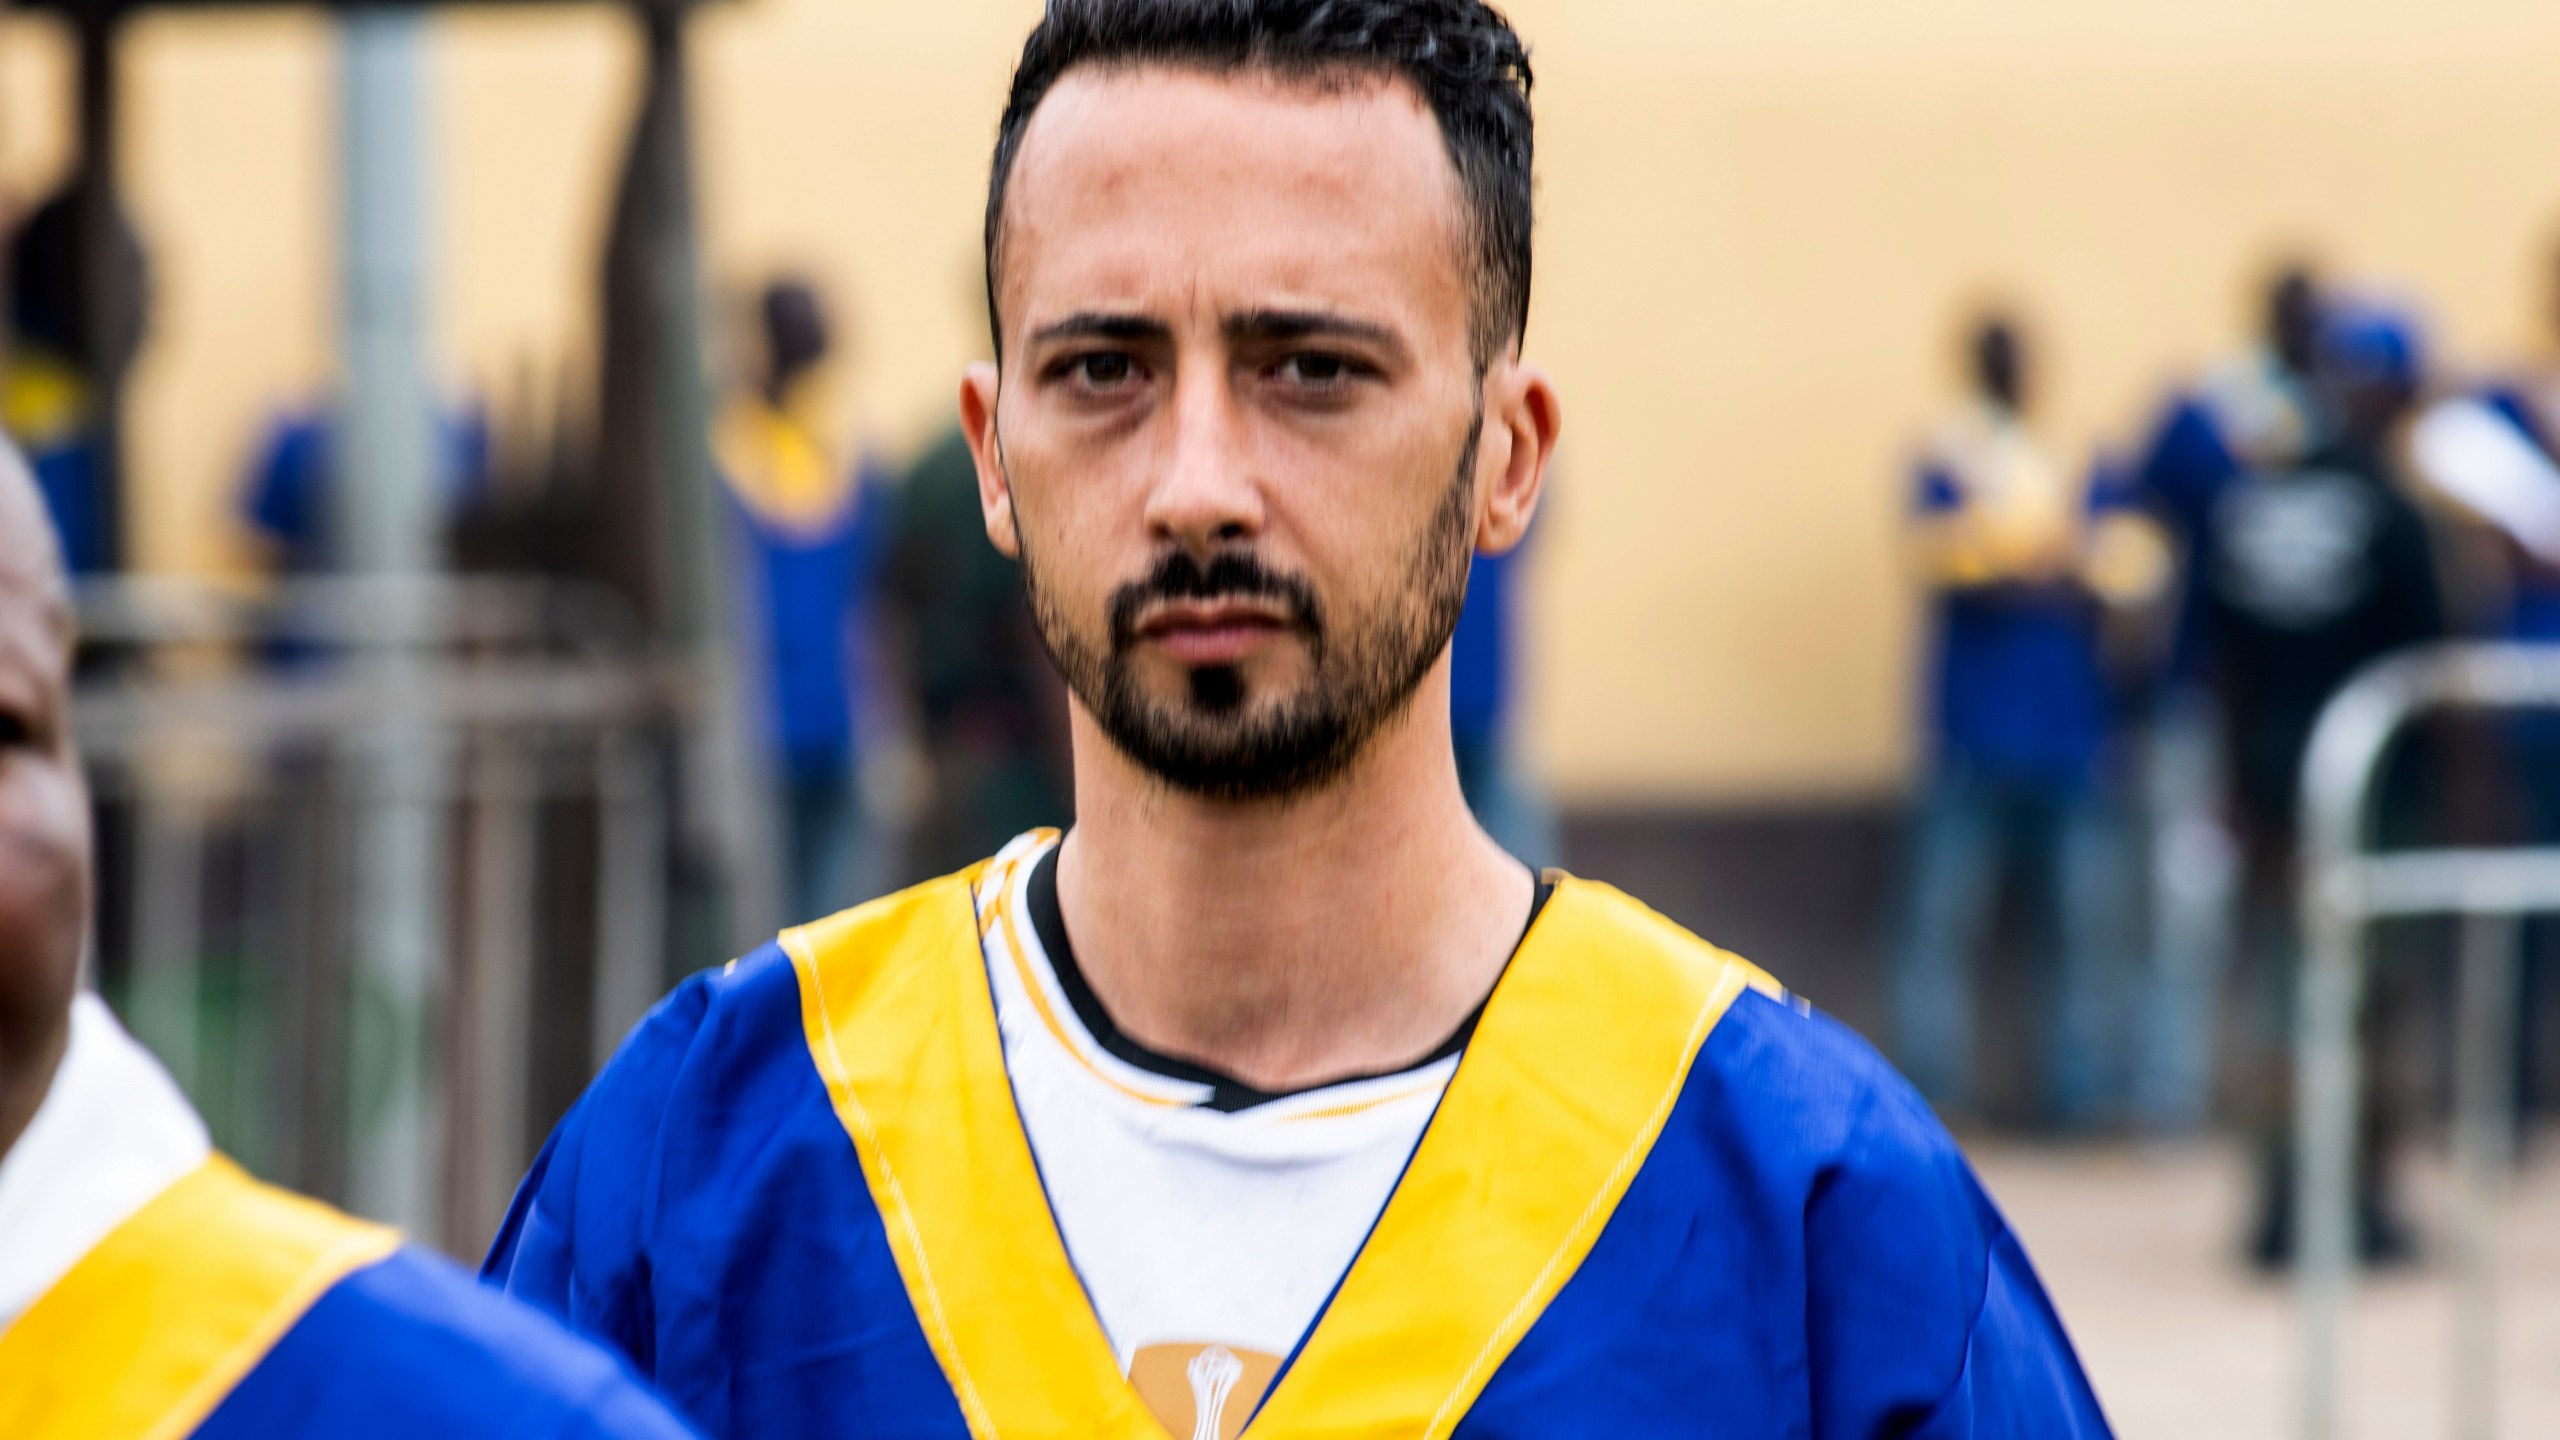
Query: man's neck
point(1291, 942)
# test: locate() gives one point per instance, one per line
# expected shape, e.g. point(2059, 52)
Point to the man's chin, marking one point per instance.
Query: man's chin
point(1256, 752)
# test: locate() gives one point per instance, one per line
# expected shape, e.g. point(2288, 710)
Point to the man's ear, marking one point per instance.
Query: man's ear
point(1524, 417)
point(979, 386)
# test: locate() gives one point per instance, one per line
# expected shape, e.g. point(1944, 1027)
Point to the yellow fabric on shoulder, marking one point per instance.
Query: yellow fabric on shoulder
point(1581, 1053)
point(778, 470)
point(147, 1335)
point(42, 399)
point(898, 1018)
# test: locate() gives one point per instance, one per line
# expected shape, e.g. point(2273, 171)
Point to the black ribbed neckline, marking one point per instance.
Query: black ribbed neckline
point(1226, 1092)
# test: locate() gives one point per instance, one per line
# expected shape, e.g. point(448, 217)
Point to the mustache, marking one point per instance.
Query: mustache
point(1229, 575)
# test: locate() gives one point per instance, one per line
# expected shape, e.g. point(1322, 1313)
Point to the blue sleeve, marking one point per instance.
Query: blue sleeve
point(574, 1240)
point(2020, 1377)
point(2186, 466)
point(67, 477)
point(465, 451)
point(2113, 488)
point(411, 1349)
point(283, 496)
point(1923, 1315)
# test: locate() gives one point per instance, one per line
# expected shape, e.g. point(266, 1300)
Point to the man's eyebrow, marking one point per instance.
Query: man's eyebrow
point(1102, 325)
point(1269, 326)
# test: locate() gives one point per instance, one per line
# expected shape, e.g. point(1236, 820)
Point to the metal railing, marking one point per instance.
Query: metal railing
point(388, 866)
point(2346, 887)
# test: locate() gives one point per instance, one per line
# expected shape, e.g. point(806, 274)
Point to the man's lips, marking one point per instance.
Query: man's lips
point(1218, 632)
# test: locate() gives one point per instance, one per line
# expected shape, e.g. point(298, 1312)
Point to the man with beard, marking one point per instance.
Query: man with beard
point(148, 1287)
point(1274, 1092)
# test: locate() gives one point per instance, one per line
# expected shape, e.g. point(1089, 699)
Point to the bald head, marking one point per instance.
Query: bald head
point(44, 806)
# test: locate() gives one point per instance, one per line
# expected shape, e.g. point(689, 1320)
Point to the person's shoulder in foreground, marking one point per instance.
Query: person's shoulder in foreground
point(148, 1286)
point(1792, 1232)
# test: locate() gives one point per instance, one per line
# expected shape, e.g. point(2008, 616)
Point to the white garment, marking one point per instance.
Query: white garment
point(110, 1135)
point(2478, 456)
point(1189, 1226)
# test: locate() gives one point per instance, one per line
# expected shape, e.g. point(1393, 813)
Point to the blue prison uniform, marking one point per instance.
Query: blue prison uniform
point(226, 1310)
point(1659, 1198)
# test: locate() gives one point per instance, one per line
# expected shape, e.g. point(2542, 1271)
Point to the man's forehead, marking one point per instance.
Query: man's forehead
point(1131, 177)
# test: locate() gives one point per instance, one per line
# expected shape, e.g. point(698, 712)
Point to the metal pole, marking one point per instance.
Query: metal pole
point(8, 229)
point(2337, 770)
point(631, 889)
point(2483, 1131)
point(2325, 1071)
point(110, 305)
point(727, 776)
point(492, 1043)
point(168, 979)
point(386, 514)
point(2343, 891)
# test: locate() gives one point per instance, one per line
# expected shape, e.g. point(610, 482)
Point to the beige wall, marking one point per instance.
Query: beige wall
point(1760, 215)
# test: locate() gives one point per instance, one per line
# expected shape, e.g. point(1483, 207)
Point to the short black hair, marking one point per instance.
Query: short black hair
point(1470, 66)
point(796, 333)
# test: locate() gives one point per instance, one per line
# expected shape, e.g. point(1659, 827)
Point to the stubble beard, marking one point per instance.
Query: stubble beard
point(1220, 740)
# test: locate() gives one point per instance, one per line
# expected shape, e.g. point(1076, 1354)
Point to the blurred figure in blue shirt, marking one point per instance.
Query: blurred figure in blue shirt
point(2024, 561)
point(2258, 412)
point(2318, 570)
point(815, 530)
point(287, 501)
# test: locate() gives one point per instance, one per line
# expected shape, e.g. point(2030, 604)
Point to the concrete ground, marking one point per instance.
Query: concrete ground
point(2137, 1247)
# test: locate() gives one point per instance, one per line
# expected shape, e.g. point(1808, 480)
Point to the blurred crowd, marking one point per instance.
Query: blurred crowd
point(2129, 651)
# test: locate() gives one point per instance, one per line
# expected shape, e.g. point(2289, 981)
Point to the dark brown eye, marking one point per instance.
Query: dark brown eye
point(1317, 369)
point(1105, 369)
point(15, 732)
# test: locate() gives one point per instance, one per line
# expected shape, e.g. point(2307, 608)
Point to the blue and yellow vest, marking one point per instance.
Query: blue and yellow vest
point(226, 1308)
point(1659, 1198)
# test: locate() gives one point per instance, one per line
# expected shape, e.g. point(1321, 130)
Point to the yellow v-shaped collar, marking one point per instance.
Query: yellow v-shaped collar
point(1579, 1057)
point(158, 1323)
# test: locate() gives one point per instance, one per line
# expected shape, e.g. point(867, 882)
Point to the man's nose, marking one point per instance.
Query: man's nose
point(1206, 495)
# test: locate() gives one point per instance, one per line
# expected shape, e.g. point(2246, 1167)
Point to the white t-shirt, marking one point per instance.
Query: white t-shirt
point(111, 1133)
point(1208, 1223)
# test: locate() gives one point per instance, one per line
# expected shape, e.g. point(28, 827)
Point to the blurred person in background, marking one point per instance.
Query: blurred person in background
point(286, 498)
point(1484, 661)
point(2025, 563)
point(2259, 411)
point(2317, 570)
point(2493, 451)
point(148, 1286)
point(48, 387)
point(1123, 1132)
point(816, 529)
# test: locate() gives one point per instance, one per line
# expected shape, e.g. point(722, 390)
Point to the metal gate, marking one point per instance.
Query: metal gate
point(2345, 888)
point(387, 867)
